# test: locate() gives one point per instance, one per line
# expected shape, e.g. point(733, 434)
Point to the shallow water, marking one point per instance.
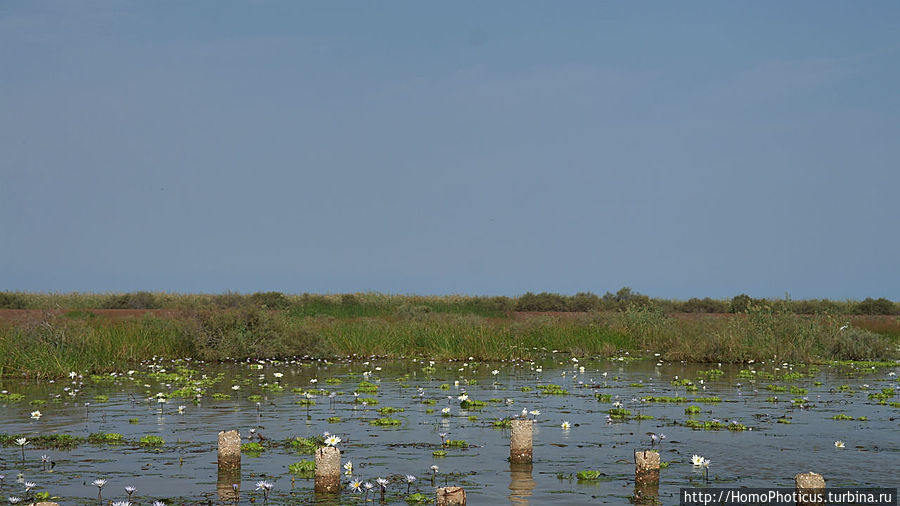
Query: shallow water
point(184, 469)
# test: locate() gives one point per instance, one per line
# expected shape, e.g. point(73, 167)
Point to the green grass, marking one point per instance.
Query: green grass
point(52, 344)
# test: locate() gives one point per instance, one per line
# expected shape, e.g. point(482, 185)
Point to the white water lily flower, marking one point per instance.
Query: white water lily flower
point(839, 444)
point(21, 441)
point(349, 467)
point(566, 425)
point(332, 440)
point(697, 460)
point(36, 415)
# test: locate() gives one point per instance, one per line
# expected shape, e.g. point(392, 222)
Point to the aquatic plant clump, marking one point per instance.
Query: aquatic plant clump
point(366, 387)
point(588, 475)
point(253, 448)
point(151, 441)
point(619, 414)
point(106, 438)
point(304, 468)
point(552, 390)
point(715, 425)
point(306, 445)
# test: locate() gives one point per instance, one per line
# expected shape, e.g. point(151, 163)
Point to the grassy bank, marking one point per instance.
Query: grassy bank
point(56, 342)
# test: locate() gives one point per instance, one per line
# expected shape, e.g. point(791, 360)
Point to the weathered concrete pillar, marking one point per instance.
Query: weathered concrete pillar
point(451, 496)
point(229, 450)
point(520, 441)
point(810, 489)
point(646, 466)
point(228, 485)
point(521, 483)
point(328, 470)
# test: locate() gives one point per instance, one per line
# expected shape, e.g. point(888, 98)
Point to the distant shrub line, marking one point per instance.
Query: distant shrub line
point(377, 305)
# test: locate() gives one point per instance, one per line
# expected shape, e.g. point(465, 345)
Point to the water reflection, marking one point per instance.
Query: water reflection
point(646, 492)
point(228, 485)
point(521, 483)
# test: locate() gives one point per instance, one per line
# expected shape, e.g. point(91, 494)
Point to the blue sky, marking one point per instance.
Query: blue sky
point(680, 148)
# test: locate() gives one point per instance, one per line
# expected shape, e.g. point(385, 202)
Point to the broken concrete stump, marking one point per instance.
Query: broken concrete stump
point(646, 466)
point(328, 470)
point(810, 488)
point(229, 450)
point(520, 441)
point(451, 496)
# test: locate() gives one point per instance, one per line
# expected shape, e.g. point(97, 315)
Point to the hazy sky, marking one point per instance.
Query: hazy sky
point(679, 148)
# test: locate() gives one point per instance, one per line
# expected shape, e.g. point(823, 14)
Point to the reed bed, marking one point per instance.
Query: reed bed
point(56, 342)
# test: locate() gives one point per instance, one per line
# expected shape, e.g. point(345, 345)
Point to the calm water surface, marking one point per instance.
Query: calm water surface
point(183, 470)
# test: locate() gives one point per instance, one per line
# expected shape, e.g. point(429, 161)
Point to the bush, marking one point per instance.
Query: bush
point(704, 305)
point(542, 302)
point(270, 300)
point(9, 300)
point(740, 303)
point(874, 306)
point(585, 301)
point(137, 300)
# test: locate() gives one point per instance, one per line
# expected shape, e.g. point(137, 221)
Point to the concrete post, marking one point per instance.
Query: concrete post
point(451, 496)
point(811, 486)
point(328, 470)
point(229, 450)
point(646, 466)
point(520, 441)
